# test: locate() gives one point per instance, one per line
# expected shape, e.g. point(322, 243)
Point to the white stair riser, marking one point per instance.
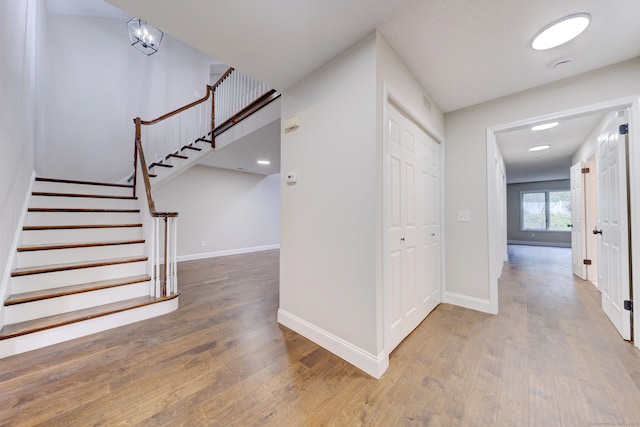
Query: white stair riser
point(53, 306)
point(60, 187)
point(28, 342)
point(81, 202)
point(81, 218)
point(57, 279)
point(38, 237)
point(63, 256)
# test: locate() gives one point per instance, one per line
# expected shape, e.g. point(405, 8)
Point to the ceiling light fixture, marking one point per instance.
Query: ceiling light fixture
point(561, 31)
point(263, 162)
point(144, 37)
point(545, 126)
point(539, 147)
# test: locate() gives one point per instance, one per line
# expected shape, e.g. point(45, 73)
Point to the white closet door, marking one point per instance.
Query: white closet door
point(412, 227)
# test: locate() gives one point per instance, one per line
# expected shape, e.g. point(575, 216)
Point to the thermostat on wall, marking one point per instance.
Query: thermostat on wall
point(292, 123)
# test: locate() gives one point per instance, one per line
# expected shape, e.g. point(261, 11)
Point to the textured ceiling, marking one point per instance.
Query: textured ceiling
point(462, 51)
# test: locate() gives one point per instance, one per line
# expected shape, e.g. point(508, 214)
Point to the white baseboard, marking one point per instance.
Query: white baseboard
point(204, 255)
point(372, 365)
point(466, 301)
point(4, 280)
point(537, 243)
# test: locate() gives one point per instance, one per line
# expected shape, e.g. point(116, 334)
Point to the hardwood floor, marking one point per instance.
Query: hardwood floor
point(550, 358)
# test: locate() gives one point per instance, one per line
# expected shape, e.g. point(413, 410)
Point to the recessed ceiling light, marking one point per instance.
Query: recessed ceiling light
point(264, 162)
point(561, 31)
point(539, 147)
point(545, 126)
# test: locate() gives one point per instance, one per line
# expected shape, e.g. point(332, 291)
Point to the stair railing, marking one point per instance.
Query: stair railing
point(232, 98)
point(160, 229)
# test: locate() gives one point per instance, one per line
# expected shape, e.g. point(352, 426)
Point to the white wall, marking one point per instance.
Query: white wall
point(467, 263)
point(395, 73)
point(331, 247)
point(328, 254)
point(97, 83)
point(20, 62)
point(590, 144)
point(232, 212)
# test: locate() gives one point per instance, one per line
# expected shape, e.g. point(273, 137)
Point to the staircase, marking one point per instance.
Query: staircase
point(92, 256)
point(81, 267)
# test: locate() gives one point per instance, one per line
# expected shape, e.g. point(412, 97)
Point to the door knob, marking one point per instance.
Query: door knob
point(596, 231)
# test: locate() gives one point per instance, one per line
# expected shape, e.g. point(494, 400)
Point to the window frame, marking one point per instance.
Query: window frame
point(547, 210)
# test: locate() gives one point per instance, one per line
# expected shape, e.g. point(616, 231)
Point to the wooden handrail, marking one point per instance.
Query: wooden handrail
point(145, 174)
point(256, 105)
point(223, 78)
point(179, 110)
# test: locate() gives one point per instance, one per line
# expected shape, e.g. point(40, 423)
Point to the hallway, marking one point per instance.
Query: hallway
point(579, 370)
point(550, 358)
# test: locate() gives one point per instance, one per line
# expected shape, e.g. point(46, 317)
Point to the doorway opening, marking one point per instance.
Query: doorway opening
point(498, 248)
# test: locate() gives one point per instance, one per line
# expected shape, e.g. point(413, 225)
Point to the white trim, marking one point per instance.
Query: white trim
point(539, 243)
point(227, 252)
point(494, 259)
point(466, 301)
point(632, 102)
point(369, 363)
point(390, 94)
point(11, 261)
point(634, 205)
point(36, 340)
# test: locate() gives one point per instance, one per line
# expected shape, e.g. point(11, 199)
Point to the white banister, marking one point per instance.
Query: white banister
point(234, 93)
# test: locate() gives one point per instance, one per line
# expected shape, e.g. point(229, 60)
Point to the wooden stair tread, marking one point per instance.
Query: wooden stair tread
point(164, 165)
point(76, 226)
point(23, 328)
point(189, 147)
point(50, 246)
point(74, 181)
point(177, 156)
point(82, 210)
point(74, 289)
point(91, 196)
point(24, 271)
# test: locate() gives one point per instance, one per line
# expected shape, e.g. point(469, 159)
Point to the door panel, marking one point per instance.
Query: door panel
point(612, 222)
point(412, 224)
point(577, 222)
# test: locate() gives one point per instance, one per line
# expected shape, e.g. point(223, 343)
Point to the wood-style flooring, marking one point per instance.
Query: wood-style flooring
point(550, 358)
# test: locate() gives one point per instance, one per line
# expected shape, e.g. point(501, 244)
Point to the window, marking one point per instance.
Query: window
point(546, 210)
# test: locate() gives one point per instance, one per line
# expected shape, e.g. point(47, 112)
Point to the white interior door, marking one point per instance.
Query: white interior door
point(612, 227)
point(412, 224)
point(578, 244)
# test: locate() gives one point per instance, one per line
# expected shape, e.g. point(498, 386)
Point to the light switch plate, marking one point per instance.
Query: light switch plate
point(464, 216)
